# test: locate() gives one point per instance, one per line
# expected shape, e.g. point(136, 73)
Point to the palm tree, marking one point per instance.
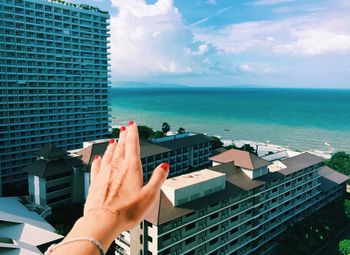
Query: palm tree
point(165, 127)
point(181, 130)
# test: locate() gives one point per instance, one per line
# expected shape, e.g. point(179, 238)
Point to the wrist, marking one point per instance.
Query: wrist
point(99, 225)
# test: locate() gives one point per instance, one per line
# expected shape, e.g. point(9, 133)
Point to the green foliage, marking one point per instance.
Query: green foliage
point(308, 235)
point(215, 142)
point(157, 134)
point(145, 132)
point(245, 147)
point(347, 207)
point(115, 133)
point(165, 127)
point(181, 130)
point(340, 162)
point(344, 247)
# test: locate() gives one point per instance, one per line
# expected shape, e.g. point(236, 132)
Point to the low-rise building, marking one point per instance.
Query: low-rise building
point(23, 231)
point(58, 177)
point(237, 206)
point(53, 178)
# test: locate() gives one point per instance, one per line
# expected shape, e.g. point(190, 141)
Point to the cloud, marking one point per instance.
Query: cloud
point(315, 42)
point(271, 2)
point(148, 40)
point(311, 34)
point(219, 12)
point(213, 2)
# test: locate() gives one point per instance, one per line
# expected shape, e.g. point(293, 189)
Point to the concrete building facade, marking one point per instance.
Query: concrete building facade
point(54, 80)
point(241, 215)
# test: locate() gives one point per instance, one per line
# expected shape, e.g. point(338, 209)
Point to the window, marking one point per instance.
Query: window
point(214, 216)
point(234, 207)
point(214, 241)
point(233, 219)
point(190, 240)
point(213, 229)
point(166, 237)
point(190, 226)
point(150, 239)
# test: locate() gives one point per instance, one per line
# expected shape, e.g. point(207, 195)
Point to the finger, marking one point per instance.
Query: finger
point(95, 168)
point(108, 155)
point(158, 178)
point(132, 144)
point(119, 151)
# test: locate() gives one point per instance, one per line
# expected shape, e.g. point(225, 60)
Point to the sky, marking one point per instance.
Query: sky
point(270, 43)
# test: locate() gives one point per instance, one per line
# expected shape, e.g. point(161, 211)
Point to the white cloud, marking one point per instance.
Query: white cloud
point(312, 34)
point(148, 39)
point(314, 42)
point(271, 2)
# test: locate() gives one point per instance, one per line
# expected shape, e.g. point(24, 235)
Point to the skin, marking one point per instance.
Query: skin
point(117, 199)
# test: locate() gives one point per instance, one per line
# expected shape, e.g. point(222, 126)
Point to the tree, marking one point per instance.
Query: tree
point(247, 147)
point(157, 134)
point(340, 162)
point(145, 132)
point(347, 207)
point(215, 143)
point(344, 247)
point(165, 127)
point(181, 130)
point(115, 133)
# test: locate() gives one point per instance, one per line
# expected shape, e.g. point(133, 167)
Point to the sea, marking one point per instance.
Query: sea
point(302, 119)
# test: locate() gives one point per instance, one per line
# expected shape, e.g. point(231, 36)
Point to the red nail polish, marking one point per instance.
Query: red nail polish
point(122, 128)
point(96, 157)
point(164, 166)
point(130, 122)
point(111, 141)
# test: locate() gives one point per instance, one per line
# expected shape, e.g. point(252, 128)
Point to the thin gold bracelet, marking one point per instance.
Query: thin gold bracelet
point(94, 241)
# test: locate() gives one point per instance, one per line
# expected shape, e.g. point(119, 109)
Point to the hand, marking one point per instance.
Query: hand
point(117, 182)
point(117, 199)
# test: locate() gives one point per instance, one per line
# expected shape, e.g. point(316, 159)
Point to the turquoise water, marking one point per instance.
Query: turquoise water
point(300, 118)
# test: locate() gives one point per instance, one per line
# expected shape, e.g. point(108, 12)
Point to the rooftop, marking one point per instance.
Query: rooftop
point(191, 178)
point(23, 231)
point(237, 183)
point(331, 178)
point(80, 6)
point(178, 141)
point(241, 158)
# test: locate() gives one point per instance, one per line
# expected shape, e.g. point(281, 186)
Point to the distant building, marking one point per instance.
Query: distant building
point(58, 177)
point(236, 207)
point(185, 153)
point(23, 231)
point(54, 178)
point(54, 81)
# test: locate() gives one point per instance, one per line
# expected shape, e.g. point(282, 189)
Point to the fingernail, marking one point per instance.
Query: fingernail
point(111, 141)
point(96, 157)
point(164, 166)
point(130, 122)
point(122, 128)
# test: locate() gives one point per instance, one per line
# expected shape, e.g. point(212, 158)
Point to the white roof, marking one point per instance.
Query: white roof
point(25, 228)
point(191, 178)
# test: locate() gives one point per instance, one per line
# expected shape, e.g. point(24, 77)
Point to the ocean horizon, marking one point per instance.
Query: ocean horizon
point(302, 119)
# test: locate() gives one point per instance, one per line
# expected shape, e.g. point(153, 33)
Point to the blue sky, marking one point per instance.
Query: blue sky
point(273, 43)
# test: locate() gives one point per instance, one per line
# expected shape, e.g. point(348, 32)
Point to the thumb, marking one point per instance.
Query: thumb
point(158, 177)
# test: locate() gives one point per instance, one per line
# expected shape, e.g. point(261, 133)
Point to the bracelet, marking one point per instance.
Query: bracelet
point(94, 241)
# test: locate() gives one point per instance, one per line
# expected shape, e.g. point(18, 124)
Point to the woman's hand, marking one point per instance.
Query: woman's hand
point(116, 186)
point(117, 199)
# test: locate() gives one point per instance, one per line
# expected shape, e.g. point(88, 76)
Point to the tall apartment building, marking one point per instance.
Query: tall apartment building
point(236, 207)
point(54, 80)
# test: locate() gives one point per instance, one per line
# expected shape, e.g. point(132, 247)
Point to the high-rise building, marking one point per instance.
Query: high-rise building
point(54, 79)
point(237, 207)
